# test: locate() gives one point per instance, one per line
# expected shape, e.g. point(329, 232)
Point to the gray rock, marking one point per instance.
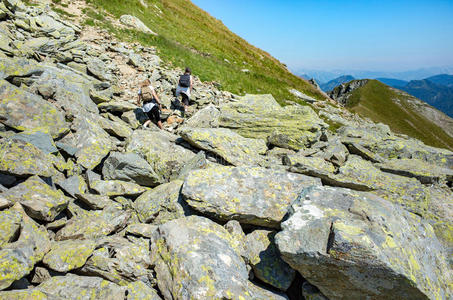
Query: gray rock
point(95, 201)
point(39, 199)
point(68, 255)
point(130, 167)
point(74, 185)
point(208, 266)
point(302, 96)
point(160, 150)
point(207, 117)
point(227, 144)
point(40, 140)
point(98, 69)
point(135, 23)
point(10, 221)
point(353, 245)
point(117, 188)
point(22, 110)
point(120, 261)
point(117, 106)
point(225, 194)
point(140, 291)
point(94, 224)
point(91, 141)
point(160, 204)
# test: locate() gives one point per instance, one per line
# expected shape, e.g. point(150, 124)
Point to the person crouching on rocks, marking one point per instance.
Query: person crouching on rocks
point(185, 86)
point(148, 97)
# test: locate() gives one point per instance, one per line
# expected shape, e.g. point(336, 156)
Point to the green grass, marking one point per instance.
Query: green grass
point(376, 101)
point(188, 36)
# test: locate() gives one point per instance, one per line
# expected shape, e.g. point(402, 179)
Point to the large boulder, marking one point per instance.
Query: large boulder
point(130, 167)
point(260, 116)
point(227, 144)
point(251, 195)
point(207, 117)
point(39, 200)
point(354, 245)
point(22, 110)
point(161, 151)
point(195, 258)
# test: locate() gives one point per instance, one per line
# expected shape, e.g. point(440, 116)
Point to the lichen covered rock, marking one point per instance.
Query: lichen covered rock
point(227, 144)
point(68, 255)
point(260, 116)
point(353, 245)
point(224, 193)
point(38, 198)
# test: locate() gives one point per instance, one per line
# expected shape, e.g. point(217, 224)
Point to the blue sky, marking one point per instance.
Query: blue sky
point(362, 35)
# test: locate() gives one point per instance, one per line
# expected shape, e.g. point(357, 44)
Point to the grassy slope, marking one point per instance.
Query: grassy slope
point(188, 36)
point(376, 101)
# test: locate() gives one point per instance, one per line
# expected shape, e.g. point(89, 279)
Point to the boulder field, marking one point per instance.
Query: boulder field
point(241, 198)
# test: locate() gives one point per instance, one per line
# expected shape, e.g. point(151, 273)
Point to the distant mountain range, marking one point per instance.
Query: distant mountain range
point(326, 87)
point(325, 76)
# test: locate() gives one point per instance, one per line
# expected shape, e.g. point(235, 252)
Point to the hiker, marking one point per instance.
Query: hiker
point(151, 104)
point(185, 87)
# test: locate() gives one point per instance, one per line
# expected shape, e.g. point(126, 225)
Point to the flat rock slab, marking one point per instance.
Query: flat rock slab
point(39, 200)
point(95, 224)
point(354, 245)
point(135, 23)
point(227, 144)
point(426, 173)
point(251, 195)
point(68, 255)
point(117, 188)
point(260, 116)
point(22, 110)
point(195, 258)
point(65, 287)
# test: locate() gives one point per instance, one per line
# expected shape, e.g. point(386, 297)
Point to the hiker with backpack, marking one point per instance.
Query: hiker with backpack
point(147, 97)
point(185, 86)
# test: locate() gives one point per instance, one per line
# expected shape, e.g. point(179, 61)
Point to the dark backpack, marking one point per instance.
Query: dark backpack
point(184, 80)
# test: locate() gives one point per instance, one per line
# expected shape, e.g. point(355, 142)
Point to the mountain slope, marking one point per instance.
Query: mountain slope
point(188, 36)
point(402, 112)
point(439, 96)
point(326, 87)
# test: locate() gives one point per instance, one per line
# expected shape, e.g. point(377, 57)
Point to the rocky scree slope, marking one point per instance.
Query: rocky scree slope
point(404, 113)
point(245, 199)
